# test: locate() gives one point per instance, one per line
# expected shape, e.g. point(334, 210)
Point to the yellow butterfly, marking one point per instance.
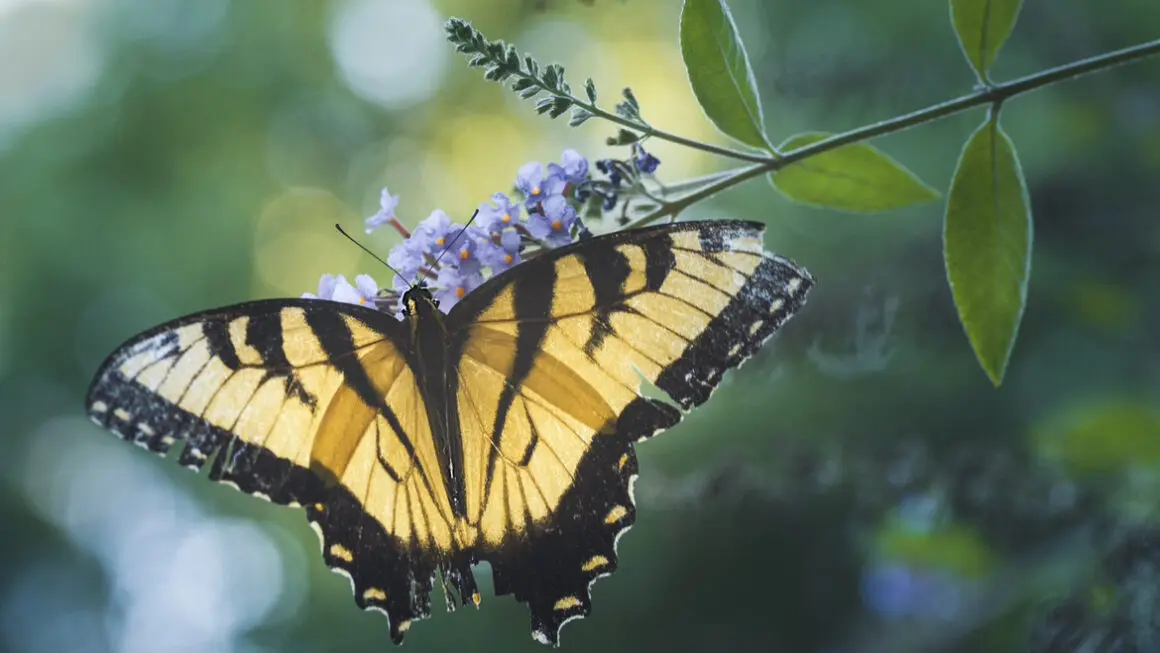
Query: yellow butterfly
point(502, 431)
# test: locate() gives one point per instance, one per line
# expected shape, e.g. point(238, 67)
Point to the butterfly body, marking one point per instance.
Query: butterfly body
point(503, 431)
point(428, 353)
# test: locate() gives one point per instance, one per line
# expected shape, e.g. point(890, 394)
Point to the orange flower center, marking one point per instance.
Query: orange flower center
point(439, 241)
point(507, 217)
point(557, 225)
point(464, 255)
point(508, 258)
point(460, 292)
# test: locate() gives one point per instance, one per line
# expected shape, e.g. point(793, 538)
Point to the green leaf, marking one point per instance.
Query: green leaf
point(855, 177)
point(1106, 436)
point(580, 116)
point(983, 27)
point(719, 71)
point(987, 243)
point(590, 90)
point(623, 137)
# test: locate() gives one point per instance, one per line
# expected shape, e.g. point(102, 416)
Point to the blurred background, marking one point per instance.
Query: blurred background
point(858, 486)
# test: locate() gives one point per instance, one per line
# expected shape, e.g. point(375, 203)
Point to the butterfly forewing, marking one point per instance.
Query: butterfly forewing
point(305, 403)
point(552, 359)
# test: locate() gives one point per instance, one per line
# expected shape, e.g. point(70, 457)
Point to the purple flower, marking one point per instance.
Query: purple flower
point(325, 287)
point(338, 289)
point(500, 252)
point(453, 285)
point(500, 214)
point(644, 161)
point(573, 168)
point(435, 232)
point(406, 258)
point(386, 213)
point(612, 168)
point(465, 251)
point(896, 591)
point(554, 225)
point(536, 186)
point(363, 292)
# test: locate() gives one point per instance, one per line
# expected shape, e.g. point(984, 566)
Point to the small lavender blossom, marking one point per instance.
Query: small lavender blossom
point(406, 258)
point(452, 285)
point(465, 251)
point(572, 169)
point(362, 293)
point(386, 213)
point(326, 287)
point(554, 225)
point(338, 289)
point(498, 215)
point(536, 185)
point(500, 252)
point(609, 167)
point(435, 232)
point(644, 161)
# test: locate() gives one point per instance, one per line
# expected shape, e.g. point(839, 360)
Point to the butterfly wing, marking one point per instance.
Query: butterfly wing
point(551, 357)
point(303, 402)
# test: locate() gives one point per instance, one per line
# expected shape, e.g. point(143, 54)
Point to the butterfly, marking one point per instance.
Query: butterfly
point(502, 431)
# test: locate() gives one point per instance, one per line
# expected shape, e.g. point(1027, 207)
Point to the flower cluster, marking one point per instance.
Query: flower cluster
point(542, 212)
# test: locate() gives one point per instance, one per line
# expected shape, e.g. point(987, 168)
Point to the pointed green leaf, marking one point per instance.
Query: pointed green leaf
point(719, 71)
point(855, 177)
point(590, 90)
point(987, 244)
point(983, 27)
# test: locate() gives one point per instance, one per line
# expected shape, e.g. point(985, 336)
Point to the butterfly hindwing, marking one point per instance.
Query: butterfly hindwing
point(552, 357)
point(302, 402)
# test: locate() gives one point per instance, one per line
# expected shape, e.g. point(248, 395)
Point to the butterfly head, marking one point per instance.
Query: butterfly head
point(418, 300)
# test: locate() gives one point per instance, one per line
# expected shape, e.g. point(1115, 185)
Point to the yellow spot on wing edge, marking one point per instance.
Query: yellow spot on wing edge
point(594, 563)
point(566, 603)
point(622, 462)
point(122, 414)
point(341, 552)
point(99, 407)
point(404, 625)
point(756, 326)
point(616, 514)
point(375, 594)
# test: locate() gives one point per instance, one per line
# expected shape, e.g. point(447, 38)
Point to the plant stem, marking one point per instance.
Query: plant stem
point(652, 132)
point(691, 184)
point(993, 95)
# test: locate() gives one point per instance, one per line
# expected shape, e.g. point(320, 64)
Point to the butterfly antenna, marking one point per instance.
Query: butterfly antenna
point(456, 238)
point(373, 255)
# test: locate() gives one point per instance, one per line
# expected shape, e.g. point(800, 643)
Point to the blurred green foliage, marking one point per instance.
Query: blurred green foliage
point(162, 158)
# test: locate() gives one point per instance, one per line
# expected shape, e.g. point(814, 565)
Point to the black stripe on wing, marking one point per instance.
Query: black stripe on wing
point(387, 574)
point(552, 567)
point(532, 296)
point(775, 291)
